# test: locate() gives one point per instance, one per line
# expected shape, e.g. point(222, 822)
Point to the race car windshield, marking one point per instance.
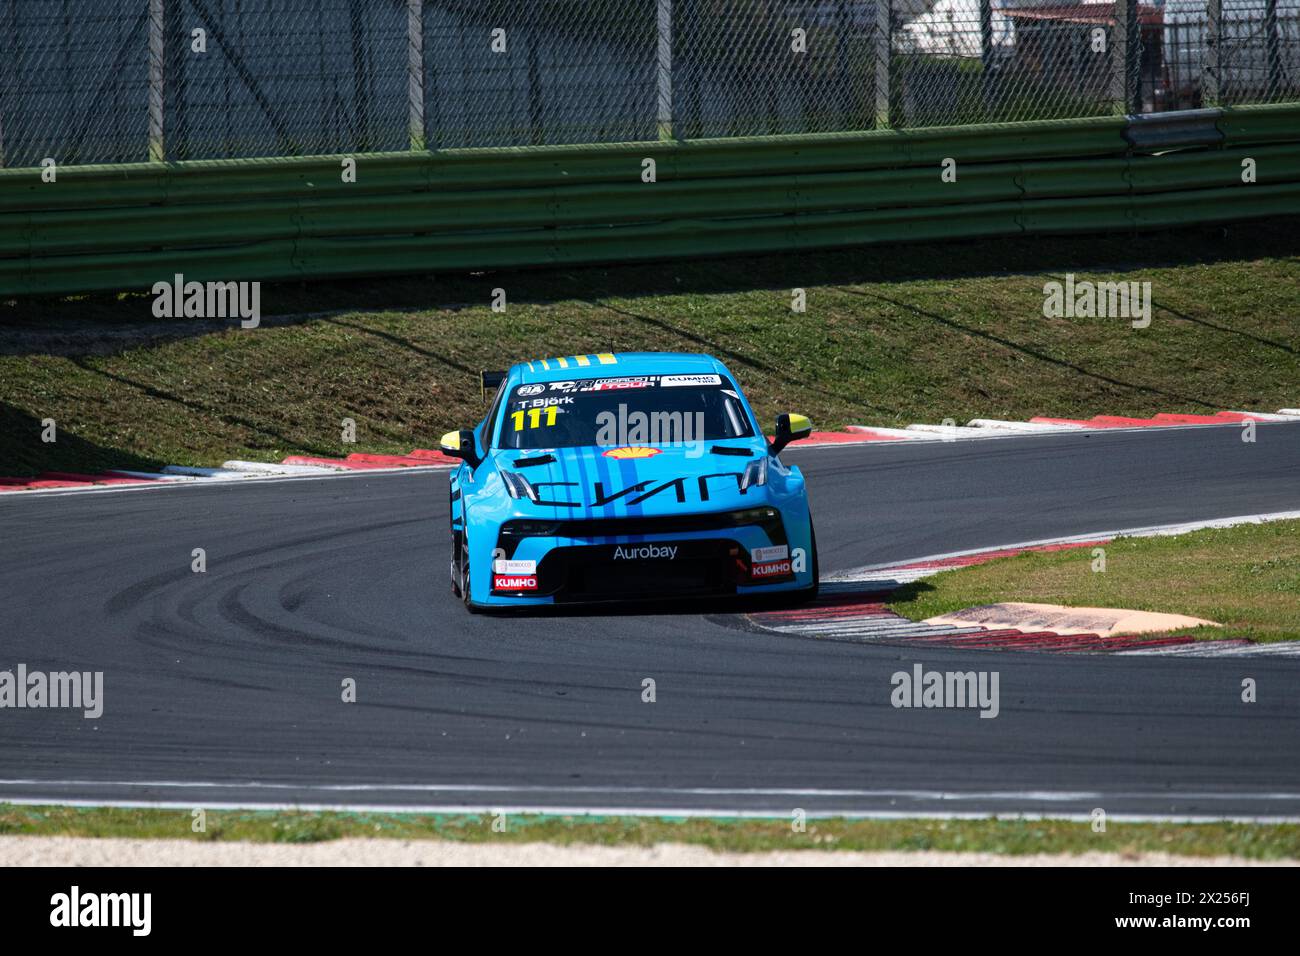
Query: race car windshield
point(661, 410)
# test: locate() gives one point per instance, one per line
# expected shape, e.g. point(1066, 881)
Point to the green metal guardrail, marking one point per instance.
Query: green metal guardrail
point(105, 228)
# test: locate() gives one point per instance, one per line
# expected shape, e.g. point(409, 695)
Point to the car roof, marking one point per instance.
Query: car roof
point(615, 365)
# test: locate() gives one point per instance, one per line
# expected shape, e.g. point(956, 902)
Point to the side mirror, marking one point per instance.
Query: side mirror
point(460, 445)
point(490, 381)
point(789, 427)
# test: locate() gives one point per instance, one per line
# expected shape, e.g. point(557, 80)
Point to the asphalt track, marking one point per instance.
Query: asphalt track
point(223, 688)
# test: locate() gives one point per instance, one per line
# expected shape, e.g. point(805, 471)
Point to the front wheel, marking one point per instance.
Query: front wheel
point(809, 593)
point(456, 563)
point(463, 585)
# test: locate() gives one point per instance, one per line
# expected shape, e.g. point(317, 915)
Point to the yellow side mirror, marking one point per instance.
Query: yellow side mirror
point(461, 445)
point(789, 427)
point(800, 426)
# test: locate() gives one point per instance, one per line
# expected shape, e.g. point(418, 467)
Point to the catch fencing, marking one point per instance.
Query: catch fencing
point(116, 81)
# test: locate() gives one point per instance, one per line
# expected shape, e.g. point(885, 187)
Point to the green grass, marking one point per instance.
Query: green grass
point(1253, 841)
point(890, 336)
point(1246, 578)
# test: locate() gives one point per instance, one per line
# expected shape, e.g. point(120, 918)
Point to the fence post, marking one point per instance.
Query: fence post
point(1211, 55)
point(1124, 86)
point(664, 70)
point(881, 54)
point(1271, 45)
point(4, 79)
point(156, 73)
point(415, 72)
point(986, 54)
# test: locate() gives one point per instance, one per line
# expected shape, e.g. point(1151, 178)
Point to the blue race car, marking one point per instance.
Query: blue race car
point(623, 477)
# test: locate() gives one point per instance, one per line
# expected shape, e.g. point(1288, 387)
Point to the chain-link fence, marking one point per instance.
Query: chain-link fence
point(129, 80)
point(962, 61)
point(1231, 52)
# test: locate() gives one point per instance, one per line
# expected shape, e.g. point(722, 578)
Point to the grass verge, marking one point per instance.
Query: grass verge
point(1246, 578)
point(1015, 837)
point(890, 336)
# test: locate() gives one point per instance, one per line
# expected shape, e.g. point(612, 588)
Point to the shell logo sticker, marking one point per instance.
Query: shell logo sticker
point(633, 451)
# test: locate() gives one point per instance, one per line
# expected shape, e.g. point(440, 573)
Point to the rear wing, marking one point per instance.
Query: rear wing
point(490, 381)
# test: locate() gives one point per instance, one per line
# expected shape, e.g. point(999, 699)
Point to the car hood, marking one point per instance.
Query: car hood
point(643, 480)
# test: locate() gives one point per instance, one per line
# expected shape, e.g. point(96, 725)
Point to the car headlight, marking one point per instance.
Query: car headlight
point(518, 486)
point(755, 474)
point(530, 529)
point(754, 516)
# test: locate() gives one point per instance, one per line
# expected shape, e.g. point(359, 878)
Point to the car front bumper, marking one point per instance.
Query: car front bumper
point(756, 550)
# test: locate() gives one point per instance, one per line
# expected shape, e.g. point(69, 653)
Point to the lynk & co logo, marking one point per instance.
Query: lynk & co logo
point(641, 491)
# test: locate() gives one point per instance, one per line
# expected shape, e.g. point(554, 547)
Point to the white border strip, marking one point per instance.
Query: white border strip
point(651, 811)
point(241, 478)
point(954, 796)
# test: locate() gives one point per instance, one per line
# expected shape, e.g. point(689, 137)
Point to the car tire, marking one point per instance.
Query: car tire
point(455, 564)
point(463, 585)
point(810, 593)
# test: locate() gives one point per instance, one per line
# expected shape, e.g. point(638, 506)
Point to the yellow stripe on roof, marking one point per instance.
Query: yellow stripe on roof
point(564, 363)
point(582, 360)
point(607, 358)
point(545, 365)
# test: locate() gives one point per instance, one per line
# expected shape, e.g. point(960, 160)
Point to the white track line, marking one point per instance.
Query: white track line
point(666, 812)
point(954, 796)
point(1037, 796)
point(1221, 649)
point(649, 809)
point(670, 813)
point(903, 628)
